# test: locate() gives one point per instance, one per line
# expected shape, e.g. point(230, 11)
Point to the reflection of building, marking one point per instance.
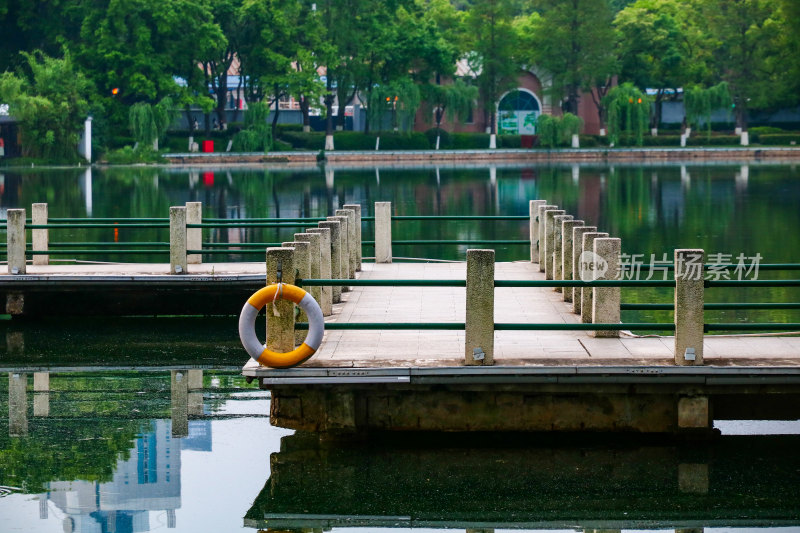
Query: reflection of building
point(148, 480)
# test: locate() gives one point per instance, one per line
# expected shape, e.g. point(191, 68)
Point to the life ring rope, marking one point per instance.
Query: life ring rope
point(247, 320)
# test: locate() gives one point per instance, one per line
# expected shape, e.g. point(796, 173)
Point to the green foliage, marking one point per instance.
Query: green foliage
point(148, 122)
point(400, 98)
point(51, 104)
point(700, 102)
point(257, 135)
point(444, 138)
point(454, 100)
point(557, 131)
point(780, 139)
point(470, 141)
point(761, 130)
point(128, 156)
point(628, 110)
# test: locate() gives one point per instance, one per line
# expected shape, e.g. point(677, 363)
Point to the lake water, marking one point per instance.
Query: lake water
point(100, 452)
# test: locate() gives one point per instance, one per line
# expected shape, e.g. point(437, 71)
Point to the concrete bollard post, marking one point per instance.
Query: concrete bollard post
point(587, 293)
point(302, 269)
point(336, 256)
point(383, 232)
point(194, 236)
point(549, 240)
point(533, 210)
point(195, 379)
point(40, 237)
point(314, 259)
point(280, 314)
point(326, 291)
point(558, 246)
point(479, 339)
point(577, 250)
point(566, 254)
point(351, 240)
point(16, 240)
point(357, 231)
point(542, 215)
point(177, 240)
point(41, 382)
point(344, 237)
point(179, 403)
point(606, 300)
point(689, 299)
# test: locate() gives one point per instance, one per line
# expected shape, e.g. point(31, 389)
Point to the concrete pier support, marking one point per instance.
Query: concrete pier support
point(314, 265)
point(605, 307)
point(335, 228)
point(587, 293)
point(40, 237)
point(194, 236)
point(344, 246)
point(326, 291)
point(479, 345)
point(302, 269)
point(558, 244)
point(549, 240)
point(694, 413)
point(689, 299)
point(534, 228)
point(383, 232)
point(17, 404)
point(542, 215)
point(577, 250)
point(195, 388)
point(179, 400)
point(177, 240)
point(567, 228)
point(16, 240)
point(280, 313)
point(351, 240)
point(357, 232)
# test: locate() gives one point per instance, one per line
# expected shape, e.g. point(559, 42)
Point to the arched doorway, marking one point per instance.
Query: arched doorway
point(517, 113)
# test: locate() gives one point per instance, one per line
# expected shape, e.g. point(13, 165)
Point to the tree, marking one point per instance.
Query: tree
point(573, 41)
point(494, 46)
point(51, 104)
point(657, 49)
point(454, 99)
point(628, 113)
point(700, 102)
point(744, 48)
point(150, 122)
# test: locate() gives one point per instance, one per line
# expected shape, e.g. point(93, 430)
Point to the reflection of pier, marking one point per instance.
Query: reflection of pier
point(737, 482)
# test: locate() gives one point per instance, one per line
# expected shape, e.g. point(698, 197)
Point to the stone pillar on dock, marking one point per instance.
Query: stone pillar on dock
point(344, 238)
point(280, 313)
point(179, 403)
point(177, 240)
point(534, 227)
point(566, 254)
point(195, 391)
point(689, 299)
point(479, 338)
point(326, 291)
point(194, 236)
point(587, 293)
point(17, 404)
point(558, 247)
point(383, 232)
point(16, 240)
point(40, 237)
point(357, 231)
point(351, 240)
point(542, 215)
point(335, 228)
point(606, 300)
point(549, 240)
point(302, 269)
point(577, 250)
point(314, 265)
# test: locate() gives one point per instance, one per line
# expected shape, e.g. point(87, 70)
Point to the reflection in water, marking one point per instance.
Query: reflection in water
point(744, 482)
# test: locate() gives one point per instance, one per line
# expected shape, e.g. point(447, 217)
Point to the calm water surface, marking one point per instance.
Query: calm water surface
point(100, 451)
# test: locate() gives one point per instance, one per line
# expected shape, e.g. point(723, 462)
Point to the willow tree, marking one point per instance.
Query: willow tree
point(400, 99)
point(149, 122)
point(257, 134)
point(557, 131)
point(628, 113)
point(454, 100)
point(700, 102)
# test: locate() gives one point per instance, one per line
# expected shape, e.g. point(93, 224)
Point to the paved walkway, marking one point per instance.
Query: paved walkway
point(354, 348)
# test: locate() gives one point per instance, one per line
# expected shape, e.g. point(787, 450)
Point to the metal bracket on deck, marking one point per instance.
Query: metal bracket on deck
point(478, 354)
point(689, 355)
